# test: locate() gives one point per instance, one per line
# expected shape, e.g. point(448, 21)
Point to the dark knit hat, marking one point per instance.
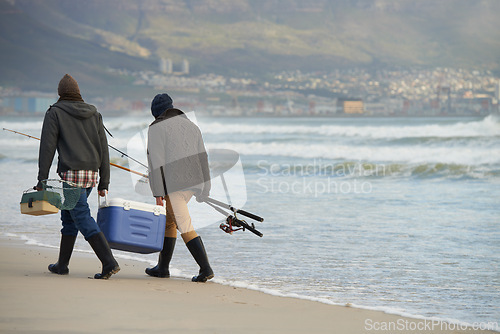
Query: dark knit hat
point(68, 89)
point(160, 103)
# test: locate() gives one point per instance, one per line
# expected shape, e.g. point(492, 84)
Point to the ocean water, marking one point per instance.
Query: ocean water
point(400, 215)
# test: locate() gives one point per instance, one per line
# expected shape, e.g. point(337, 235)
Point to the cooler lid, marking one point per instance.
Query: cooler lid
point(127, 205)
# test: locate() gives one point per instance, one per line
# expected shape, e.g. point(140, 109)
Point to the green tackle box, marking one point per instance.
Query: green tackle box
point(39, 203)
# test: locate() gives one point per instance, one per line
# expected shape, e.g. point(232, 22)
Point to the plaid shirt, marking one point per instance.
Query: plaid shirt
point(81, 178)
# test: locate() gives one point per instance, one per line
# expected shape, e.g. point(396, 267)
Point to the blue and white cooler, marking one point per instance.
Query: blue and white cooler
point(132, 226)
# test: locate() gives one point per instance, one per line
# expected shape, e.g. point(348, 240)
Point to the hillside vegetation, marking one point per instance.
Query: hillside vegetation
point(45, 36)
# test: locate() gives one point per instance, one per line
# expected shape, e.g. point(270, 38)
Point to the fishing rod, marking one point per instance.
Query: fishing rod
point(20, 133)
point(232, 221)
point(129, 170)
point(128, 156)
point(233, 209)
point(114, 148)
point(112, 164)
point(121, 152)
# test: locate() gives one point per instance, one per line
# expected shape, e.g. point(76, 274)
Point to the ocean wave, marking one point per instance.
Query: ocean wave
point(465, 155)
point(14, 158)
point(358, 169)
point(138, 123)
point(487, 127)
point(438, 170)
point(16, 142)
point(35, 127)
point(122, 124)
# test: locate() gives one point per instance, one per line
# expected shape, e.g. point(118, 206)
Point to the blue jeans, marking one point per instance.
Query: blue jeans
point(79, 218)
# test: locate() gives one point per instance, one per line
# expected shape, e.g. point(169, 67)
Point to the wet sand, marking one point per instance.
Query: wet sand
point(33, 300)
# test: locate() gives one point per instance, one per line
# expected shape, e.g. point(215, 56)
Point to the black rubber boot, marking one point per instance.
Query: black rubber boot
point(101, 248)
point(161, 269)
point(199, 253)
point(65, 251)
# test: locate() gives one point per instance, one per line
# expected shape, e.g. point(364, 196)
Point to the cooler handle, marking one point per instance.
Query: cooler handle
point(105, 200)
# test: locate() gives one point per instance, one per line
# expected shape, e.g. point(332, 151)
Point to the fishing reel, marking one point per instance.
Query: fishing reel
point(233, 224)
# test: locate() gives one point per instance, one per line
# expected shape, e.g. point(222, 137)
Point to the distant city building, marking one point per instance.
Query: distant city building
point(185, 66)
point(28, 104)
point(166, 66)
point(350, 106)
point(434, 92)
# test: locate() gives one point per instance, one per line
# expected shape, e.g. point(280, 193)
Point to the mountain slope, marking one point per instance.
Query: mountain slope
point(35, 56)
point(231, 36)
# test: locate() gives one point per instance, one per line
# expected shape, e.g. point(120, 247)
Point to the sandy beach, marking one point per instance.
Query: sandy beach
point(34, 300)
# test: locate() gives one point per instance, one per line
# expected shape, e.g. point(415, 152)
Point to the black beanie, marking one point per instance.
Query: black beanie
point(160, 103)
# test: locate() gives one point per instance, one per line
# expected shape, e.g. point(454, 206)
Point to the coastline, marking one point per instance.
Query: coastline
point(204, 115)
point(34, 300)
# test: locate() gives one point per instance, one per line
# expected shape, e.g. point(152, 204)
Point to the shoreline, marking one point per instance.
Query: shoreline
point(134, 302)
point(115, 114)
